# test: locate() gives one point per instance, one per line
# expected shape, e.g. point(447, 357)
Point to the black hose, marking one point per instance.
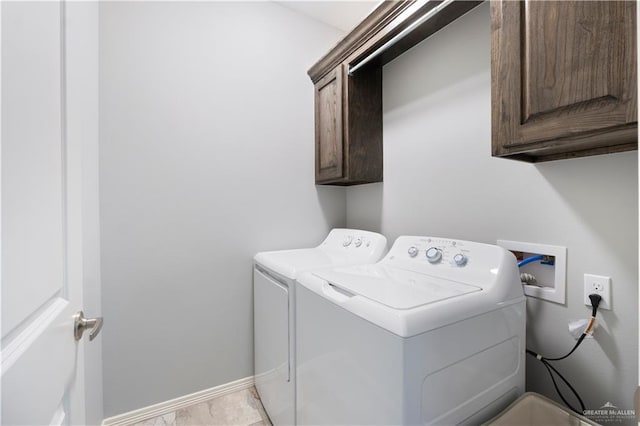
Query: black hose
point(595, 302)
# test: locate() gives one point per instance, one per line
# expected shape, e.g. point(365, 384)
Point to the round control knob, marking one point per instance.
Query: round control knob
point(413, 251)
point(347, 241)
point(460, 259)
point(358, 242)
point(433, 255)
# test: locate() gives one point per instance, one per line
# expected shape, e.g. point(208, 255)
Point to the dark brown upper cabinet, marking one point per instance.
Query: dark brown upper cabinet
point(328, 119)
point(348, 102)
point(564, 78)
point(348, 114)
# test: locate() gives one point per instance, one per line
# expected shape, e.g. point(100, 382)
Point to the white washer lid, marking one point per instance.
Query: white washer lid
point(342, 247)
point(394, 287)
point(290, 263)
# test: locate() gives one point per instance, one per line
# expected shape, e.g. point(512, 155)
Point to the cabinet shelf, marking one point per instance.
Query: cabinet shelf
point(348, 106)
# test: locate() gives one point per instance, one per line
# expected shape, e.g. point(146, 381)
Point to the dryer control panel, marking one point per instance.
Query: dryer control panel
point(354, 242)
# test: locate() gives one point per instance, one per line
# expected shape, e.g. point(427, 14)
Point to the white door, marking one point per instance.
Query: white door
point(41, 222)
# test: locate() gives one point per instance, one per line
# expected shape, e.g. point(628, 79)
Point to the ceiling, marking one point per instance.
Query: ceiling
point(343, 15)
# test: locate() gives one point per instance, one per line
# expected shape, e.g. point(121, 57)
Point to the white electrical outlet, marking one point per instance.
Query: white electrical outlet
point(597, 284)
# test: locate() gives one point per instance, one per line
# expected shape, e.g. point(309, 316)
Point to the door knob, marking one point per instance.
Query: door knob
point(80, 324)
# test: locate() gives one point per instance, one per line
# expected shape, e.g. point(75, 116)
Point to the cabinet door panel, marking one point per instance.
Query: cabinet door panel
point(329, 137)
point(570, 55)
point(563, 71)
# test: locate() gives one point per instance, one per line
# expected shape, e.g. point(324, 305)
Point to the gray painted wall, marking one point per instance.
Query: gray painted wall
point(440, 179)
point(206, 157)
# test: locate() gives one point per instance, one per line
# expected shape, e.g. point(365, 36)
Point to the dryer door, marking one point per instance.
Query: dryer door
point(272, 340)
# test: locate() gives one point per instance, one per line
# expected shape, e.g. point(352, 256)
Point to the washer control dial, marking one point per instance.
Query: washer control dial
point(413, 251)
point(460, 259)
point(357, 242)
point(433, 255)
point(347, 241)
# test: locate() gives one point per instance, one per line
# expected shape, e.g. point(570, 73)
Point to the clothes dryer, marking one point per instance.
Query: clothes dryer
point(432, 334)
point(274, 276)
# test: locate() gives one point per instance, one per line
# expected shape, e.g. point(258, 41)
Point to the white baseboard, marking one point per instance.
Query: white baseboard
point(166, 407)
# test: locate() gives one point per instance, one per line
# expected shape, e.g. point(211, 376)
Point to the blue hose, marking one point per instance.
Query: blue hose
point(529, 260)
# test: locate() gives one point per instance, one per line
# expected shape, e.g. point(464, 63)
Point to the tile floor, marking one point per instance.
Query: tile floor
point(241, 408)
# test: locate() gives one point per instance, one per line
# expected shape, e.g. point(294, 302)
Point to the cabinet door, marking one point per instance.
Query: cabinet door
point(329, 132)
point(564, 78)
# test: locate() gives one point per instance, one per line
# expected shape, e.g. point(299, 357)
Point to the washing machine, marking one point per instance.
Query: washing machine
point(274, 277)
point(432, 334)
